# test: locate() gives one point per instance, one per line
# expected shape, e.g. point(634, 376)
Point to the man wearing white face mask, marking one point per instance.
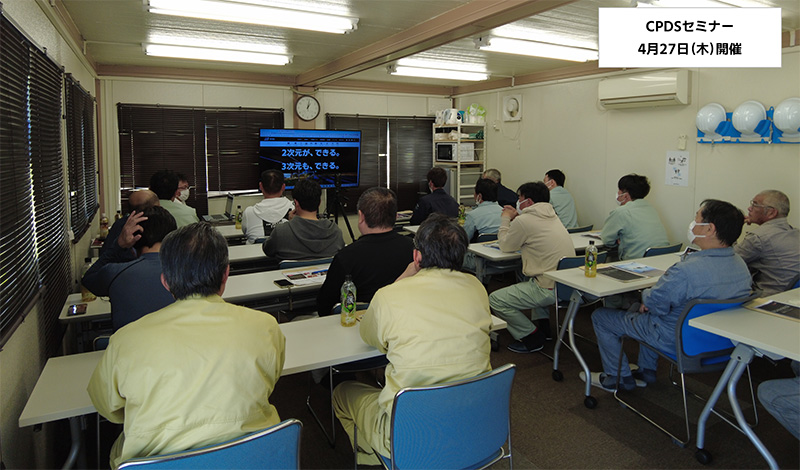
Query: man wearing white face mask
point(635, 225)
point(484, 218)
point(535, 230)
point(182, 194)
point(715, 272)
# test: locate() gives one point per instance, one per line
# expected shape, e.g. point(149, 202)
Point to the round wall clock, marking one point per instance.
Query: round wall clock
point(307, 108)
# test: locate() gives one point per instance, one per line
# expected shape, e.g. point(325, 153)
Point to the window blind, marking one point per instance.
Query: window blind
point(80, 153)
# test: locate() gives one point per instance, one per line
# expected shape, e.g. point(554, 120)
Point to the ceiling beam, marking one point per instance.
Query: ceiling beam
point(473, 18)
point(175, 73)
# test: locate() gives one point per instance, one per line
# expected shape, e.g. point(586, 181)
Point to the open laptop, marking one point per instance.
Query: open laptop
point(228, 215)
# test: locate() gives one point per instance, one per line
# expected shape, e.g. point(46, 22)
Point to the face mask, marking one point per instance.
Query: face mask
point(616, 198)
point(690, 234)
point(184, 196)
point(478, 200)
point(519, 210)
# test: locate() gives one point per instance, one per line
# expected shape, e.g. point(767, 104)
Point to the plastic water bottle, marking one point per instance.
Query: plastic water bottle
point(348, 302)
point(86, 294)
point(103, 226)
point(239, 217)
point(591, 260)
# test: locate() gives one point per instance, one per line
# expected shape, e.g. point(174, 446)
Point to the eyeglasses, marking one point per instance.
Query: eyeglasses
point(762, 206)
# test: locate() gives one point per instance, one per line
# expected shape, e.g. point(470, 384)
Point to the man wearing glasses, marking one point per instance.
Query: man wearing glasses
point(771, 250)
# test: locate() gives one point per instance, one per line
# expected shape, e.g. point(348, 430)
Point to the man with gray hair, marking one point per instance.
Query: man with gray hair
point(771, 250)
point(505, 196)
point(197, 372)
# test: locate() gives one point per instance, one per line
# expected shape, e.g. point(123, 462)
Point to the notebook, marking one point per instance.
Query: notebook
point(228, 215)
point(619, 274)
point(772, 307)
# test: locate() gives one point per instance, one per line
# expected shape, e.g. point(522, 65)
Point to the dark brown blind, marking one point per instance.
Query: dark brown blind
point(80, 152)
point(407, 143)
point(216, 148)
point(52, 245)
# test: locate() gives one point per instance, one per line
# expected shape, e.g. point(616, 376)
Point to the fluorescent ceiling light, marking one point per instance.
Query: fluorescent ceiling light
point(242, 12)
point(535, 49)
point(223, 55)
point(420, 72)
point(443, 65)
point(217, 44)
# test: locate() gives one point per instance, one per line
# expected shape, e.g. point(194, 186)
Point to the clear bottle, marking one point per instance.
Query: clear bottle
point(86, 294)
point(117, 216)
point(348, 302)
point(591, 260)
point(462, 214)
point(239, 217)
point(103, 226)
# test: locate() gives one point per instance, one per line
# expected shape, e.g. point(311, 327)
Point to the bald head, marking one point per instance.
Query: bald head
point(143, 199)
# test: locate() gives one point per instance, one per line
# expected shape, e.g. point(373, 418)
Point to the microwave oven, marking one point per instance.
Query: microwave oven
point(446, 151)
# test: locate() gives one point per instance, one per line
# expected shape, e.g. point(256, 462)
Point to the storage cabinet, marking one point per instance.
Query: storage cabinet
point(461, 149)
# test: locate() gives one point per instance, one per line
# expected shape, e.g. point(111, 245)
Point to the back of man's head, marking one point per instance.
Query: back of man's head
point(194, 259)
point(437, 176)
point(441, 242)
point(164, 183)
point(487, 189)
point(159, 223)
point(493, 175)
point(727, 219)
point(379, 206)
point(636, 186)
point(272, 182)
point(776, 199)
point(307, 193)
point(142, 199)
point(536, 192)
point(558, 176)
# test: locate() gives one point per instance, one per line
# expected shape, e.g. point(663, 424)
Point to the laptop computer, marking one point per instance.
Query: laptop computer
point(228, 215)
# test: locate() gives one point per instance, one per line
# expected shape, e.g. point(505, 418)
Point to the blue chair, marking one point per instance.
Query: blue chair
point(294, 263)
point(696, 351)
point(276, 447)
point(350, 367)
point(461, 424)
point(794, 283)
point(563, 292)
point(585, 228)
point(662, 250)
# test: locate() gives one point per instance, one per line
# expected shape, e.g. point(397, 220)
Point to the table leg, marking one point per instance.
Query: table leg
point(480, 267)
point(77, 440)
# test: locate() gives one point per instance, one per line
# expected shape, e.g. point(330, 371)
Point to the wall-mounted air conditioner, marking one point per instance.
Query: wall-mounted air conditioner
point(646, 89)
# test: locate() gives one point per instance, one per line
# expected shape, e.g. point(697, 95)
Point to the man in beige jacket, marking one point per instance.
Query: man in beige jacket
point(535, 229)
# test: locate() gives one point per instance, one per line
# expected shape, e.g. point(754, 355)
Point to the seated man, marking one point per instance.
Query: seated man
point(304, 236)
point(505, 196)
point(560, 198)
point(432, 323)
point(543, 240)
point(134, 287)
point(197, 372)
point(635, 225)
point(715, 272)
point(485, 217)
point(437, 201)
point(183, 192)
point(771, 250)
point(138, 201)
point(376, 259)
point(781, 397)
point(165, 184)
point(272, 210)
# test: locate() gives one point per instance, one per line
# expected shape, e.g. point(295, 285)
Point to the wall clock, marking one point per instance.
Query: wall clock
point(307, 108)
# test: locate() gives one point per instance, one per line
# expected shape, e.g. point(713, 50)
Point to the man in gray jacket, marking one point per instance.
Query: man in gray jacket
point(305, 236)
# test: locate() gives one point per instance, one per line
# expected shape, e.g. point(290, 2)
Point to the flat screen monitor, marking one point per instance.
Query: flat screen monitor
point(323, 155)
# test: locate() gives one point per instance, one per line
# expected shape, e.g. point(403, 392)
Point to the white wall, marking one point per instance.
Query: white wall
point(563, 127)
point(19, 360)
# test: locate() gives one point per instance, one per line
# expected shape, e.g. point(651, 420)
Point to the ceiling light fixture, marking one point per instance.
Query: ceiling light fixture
point(535, 49)
point(223, 55)
point(442, 64)
point(421, 72)
point(699, 3)
point(242, 12)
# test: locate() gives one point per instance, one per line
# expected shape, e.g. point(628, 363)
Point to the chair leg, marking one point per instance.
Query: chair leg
point(330, 436)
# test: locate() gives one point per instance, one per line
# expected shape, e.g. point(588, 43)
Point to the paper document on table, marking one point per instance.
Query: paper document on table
point(594, 235)
point(306, 277)
point(495, 245)
point(773, 307)
point(639, 268)
point(619, 274)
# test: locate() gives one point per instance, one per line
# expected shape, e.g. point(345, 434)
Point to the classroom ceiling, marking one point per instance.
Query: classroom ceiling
point(112, 34)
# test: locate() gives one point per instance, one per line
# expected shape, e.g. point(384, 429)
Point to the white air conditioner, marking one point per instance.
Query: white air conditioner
point(647, 89)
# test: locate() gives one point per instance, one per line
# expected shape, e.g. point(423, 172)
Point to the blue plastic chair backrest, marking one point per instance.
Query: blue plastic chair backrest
point(486, 237)
point(454, 425)
point(585, 228)
point(794, 284)
point(662, 250)
point(568, 262)
point(277, 447)
point(699, 344)
point(294, 263)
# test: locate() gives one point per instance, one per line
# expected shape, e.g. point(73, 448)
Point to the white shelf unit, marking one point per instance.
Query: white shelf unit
point(463, 174)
